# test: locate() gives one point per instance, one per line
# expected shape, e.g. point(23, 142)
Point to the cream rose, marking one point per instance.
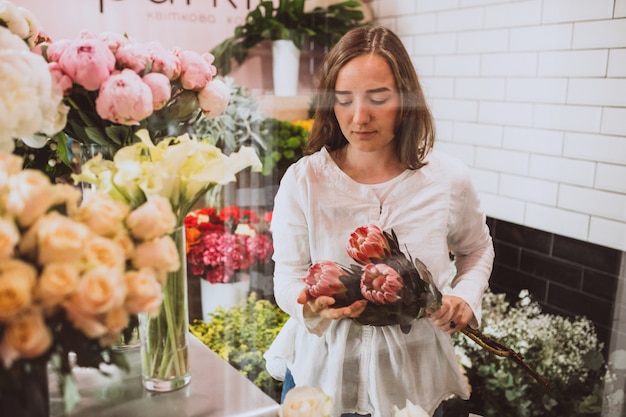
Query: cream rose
point(101, 213)
point(100, 251)
point(306, 402)
point(30, 195)
point(26, 337)
point(144, 291)
point(17, 282)
point(99, 290)
point(152, 219)
point(56, 283)
point(9, 238)
point(159, 253)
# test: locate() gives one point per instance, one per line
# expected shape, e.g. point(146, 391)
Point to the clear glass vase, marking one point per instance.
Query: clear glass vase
point(165, 338)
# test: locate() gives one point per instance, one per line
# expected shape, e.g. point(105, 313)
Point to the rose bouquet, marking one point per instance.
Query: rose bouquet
point(72, 276)
point(222, 243)
point(398, 288)
point(32, 102)
point(116, 85)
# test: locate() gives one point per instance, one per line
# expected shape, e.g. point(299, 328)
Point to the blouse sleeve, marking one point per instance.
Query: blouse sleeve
point(470, 242)
point(290, 234)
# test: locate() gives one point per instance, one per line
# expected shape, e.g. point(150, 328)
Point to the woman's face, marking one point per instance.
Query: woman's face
point(367, 102)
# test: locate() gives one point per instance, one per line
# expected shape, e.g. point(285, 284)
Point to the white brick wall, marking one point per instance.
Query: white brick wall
point(532, 95)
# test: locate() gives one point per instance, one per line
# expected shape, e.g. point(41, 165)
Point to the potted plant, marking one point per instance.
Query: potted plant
point(290, 23)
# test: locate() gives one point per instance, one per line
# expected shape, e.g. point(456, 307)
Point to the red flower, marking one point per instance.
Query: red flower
point(381, 284)
point(230, 214)
point(368, 244)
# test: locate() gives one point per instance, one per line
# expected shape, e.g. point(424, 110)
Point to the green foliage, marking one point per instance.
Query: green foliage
point(565, 351)
point(241, 334)
point(287, 143)
point(324, 26)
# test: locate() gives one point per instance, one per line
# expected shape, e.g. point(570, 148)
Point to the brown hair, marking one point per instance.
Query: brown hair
point(415, 133)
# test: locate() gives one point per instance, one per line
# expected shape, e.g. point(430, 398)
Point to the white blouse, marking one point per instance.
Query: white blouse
point(369, 369)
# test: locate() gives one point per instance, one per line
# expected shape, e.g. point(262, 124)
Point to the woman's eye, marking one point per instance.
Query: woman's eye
point(379, 101)
point(344, 103)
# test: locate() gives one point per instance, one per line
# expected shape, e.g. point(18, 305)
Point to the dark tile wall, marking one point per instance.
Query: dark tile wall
point(566, 276)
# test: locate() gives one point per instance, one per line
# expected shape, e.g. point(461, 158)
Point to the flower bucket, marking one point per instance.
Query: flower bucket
point(225, 295)
point(285, 67)
point(165, 338)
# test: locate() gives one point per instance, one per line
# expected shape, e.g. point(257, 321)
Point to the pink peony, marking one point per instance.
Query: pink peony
point(164, 61)
point(381, 284)
point(60, 78)
point(161, 89)
point(89, 62)
point(134, 56)
point(124, 98)
point(114, 40)
point(196, 71)
point(55, 49)
point(214, 98)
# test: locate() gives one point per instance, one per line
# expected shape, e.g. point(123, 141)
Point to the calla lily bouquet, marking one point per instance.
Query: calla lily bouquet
point(73, 277)
point(398, 288)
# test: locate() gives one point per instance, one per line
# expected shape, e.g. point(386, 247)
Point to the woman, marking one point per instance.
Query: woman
point(371, 161)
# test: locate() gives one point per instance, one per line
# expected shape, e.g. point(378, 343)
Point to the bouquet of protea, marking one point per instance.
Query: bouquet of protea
point(398, 288)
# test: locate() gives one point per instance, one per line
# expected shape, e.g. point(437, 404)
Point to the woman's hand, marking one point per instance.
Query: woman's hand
point(453, 315)
point(322, 307)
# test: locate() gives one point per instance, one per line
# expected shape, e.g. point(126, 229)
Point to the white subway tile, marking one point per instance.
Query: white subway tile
point(573, 63)
point(514, 64)
point(478, 134)
point(613, 121)
point(564, 170)
point(611, 178)
point(395, 8)
point(433, 5)
point(576, 118)
point(424, 65)
point(610, 149)
point(415, 24)
point(473, 3)
point(460, 20)
point(503, 208)
point(595, 202)
point(597, 91)
point(457, 110)
point(537, 90)
point(600, 34)
point(483, 41)
point(537, 141)
point(457, 65)
point(607, 233)
point(521, 13)
point(511, 114)
point(485, 181)
point(617, 62)
point(464, 152)
point(620, 9)
point(440, 87)
point(438, 44)
point(554, 220)
point(444, 130)
point(542, 38)
point(576, 10)
point(480, 88)
point(502, 160)
point(528, 189)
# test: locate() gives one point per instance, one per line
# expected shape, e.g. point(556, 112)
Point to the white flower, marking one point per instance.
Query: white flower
point(306, 402)
point(411, 410)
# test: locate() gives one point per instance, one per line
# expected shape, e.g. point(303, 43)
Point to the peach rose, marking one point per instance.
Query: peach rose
point(99, 290)
point(159, 253)
point(9, 238)
point(30, 196)
point(104, 215)
point(116, 320)
point(56, 283)
point(17, 282)
point(26, 337)
point(101, 251)
point(89, 324)
point(144, 291)
point(56, 239)
point(124, 240)
point(152, 219)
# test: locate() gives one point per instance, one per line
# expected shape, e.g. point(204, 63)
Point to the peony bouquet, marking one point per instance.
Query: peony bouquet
point(31, 102)
point(72, 276)
point(222, 243)
point(116, 85)
point(398, 288)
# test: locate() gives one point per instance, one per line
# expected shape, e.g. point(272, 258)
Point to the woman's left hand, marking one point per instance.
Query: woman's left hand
point(453, 315)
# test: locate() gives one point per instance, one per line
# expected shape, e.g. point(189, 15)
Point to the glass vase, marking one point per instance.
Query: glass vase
point(165, 337)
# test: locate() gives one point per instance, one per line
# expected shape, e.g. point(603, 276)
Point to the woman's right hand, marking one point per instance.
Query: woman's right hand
point(322, 307)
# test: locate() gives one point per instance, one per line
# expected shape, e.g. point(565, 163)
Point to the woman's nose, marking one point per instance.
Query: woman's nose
point(362, 113)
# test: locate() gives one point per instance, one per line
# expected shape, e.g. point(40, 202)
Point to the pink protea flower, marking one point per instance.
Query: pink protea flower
point(196, 71)
point(368, 244)
point(89, 62)
point(323, 280)
point(124, 98)
point(381, 284)
point(161, 88)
